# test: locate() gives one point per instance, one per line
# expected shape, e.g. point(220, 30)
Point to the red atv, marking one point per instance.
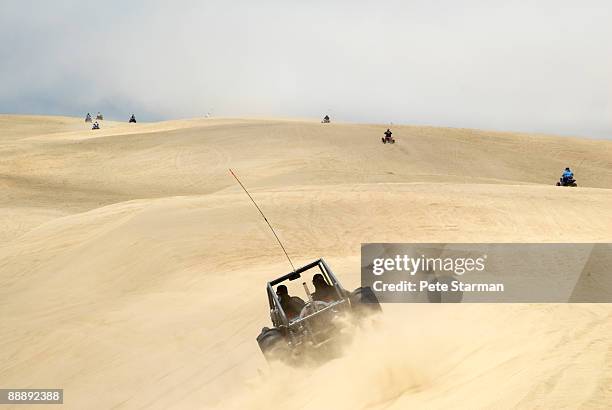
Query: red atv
point(388, 138)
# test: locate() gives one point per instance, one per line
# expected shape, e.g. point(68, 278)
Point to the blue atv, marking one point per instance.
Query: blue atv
point(567, 181)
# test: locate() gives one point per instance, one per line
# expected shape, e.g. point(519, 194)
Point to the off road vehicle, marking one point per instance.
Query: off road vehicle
point(388, 138)
point(567, 181)
point(319, 324)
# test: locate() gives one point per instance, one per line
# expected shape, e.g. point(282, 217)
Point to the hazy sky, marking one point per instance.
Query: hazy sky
point(541, 66)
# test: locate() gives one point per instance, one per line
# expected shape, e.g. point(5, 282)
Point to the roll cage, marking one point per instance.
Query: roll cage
point(280, 319)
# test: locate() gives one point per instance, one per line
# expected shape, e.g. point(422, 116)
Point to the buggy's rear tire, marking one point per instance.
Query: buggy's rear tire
point(365, 302)
point(273, 344)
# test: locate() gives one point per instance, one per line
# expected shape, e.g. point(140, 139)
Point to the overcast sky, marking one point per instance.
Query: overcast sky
point(542, 66)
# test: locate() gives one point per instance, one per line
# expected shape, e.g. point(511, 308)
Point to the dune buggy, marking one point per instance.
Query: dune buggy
point(319, 323)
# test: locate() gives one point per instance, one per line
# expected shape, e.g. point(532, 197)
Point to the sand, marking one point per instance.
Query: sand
point(132, 266)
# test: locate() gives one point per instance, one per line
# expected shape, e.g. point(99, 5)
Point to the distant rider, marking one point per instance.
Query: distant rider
point(388, 134)
point(568, 175)
point(292, 305)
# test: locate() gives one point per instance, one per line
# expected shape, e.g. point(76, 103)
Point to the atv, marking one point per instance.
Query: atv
point(388, 139)
point(567, 181)
point(88, 118)
point(99, 117)
point(132, 120)
point(96, 126)
point(319, 323)
point(325, 120)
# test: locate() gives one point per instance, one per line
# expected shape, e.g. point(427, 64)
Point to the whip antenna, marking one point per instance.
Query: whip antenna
point(265, 219)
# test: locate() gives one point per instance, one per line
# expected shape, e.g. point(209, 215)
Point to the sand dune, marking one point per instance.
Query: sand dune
point(132, 268)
